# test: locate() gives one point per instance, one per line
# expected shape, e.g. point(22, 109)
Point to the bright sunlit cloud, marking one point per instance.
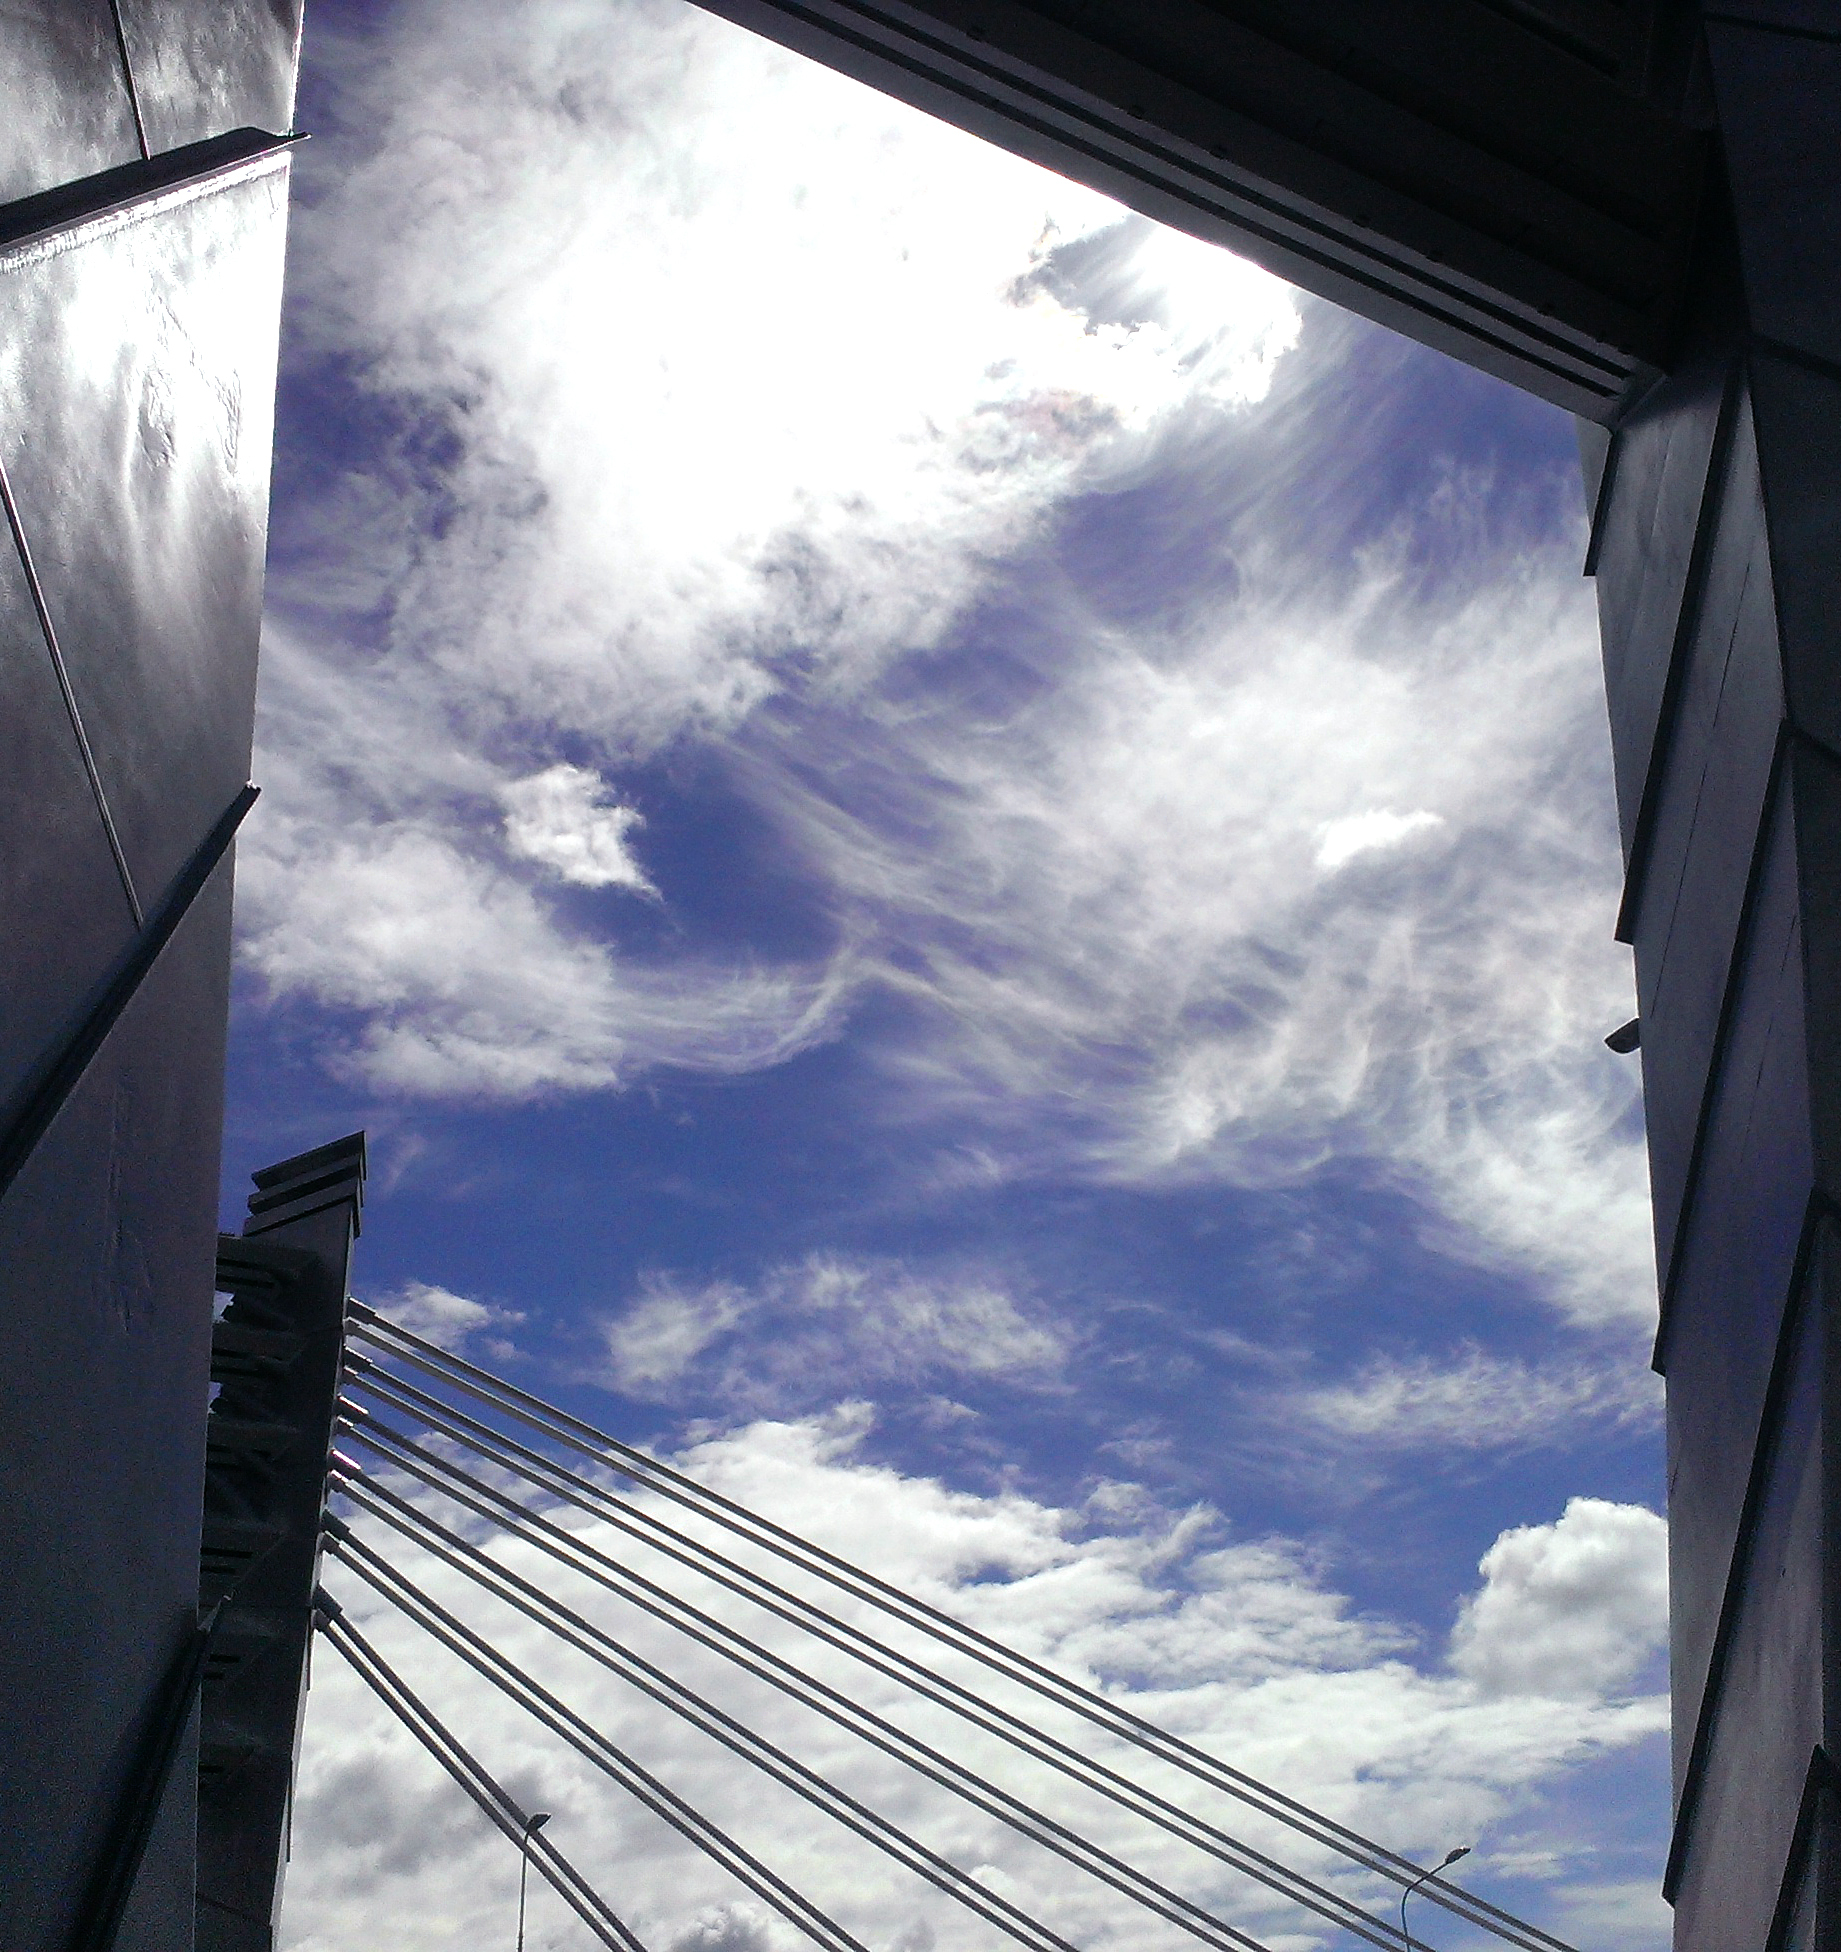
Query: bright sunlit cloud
point(565, 820)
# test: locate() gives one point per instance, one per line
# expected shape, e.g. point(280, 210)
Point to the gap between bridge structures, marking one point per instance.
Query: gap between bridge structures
point(423, 1436)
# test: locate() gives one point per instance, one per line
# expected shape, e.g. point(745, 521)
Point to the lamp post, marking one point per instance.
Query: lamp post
point(1450, 1858)
point(532, 1824)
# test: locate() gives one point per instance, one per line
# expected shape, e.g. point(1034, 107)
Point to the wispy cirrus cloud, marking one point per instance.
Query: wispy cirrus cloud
point(1475, 1401)
point(701, 425)
point(828, 1326)
point(1109, 904)
point(377, 878)
point(1273, 849)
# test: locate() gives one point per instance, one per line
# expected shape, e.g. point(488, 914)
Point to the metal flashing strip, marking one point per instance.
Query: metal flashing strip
point(328, 1176)
point(42, 1096)
point(127, 75)
point(119, 191)
point(1601, 499)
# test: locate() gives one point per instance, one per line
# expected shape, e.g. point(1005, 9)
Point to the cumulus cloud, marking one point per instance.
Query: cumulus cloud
point(826, 1326)
point(565, 820)
point(450, 1320)
point(1574, 1609)
point(366, 881)
point(1238, 1644)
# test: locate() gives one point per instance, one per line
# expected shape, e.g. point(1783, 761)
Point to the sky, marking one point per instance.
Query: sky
point(958, 853)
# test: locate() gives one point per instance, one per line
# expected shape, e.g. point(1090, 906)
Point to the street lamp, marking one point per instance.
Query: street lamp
point(1450, 1858)
point(532, 1824)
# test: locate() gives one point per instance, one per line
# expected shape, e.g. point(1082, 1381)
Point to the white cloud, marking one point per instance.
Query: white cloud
point(443, 1317)
point(1106, 908)
point(825, 1327)
point(1573, 1609)
point(564, 820)
point(1239, 1645)
point(657, 1338)
point(740, 362)
point(746, 385)
point(363, 882)
point(709, 428)
point(1340, 841)
point(1477, 1402)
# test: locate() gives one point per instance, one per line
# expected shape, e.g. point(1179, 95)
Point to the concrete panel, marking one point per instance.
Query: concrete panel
point(1742, 1823)
point(1798, 416)
point(137, 372)
point(1645, 545)
point(64, 915)
point(1738, 1256)
point(1711, 781)
point(202, 67)
point(1780, 108)
point(64, 105)
point(106, 1242)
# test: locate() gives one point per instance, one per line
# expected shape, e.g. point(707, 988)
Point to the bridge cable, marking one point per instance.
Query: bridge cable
point(743, 1741)
point(399, 1698)
point(607, 1450)
point(966, 1783)
point(546, 1473)
point(487, 1502)
point(588, 1742)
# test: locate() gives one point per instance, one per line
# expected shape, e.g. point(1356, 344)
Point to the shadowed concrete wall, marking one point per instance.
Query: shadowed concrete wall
point(143, 196)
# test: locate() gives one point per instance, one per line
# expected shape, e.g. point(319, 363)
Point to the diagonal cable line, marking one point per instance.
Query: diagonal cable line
point(656, 1534)
point(739, 1740)
point(396, 1695)
point(609, 1451)
point(661, 1537)
point(543, 1706)
point(975, 1789)
point(545, 1473)
point(484, 1501)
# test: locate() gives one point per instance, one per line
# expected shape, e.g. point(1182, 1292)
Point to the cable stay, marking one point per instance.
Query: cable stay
point(535, 1604)
point(865, 1647)
point(593, 1746)
point(743, 1741)
point(486, 1502)
point(356, 1421)
point(569, 1486)
point(396, 1695)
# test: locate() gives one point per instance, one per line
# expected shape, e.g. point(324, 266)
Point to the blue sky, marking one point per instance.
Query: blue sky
point(959, 855)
